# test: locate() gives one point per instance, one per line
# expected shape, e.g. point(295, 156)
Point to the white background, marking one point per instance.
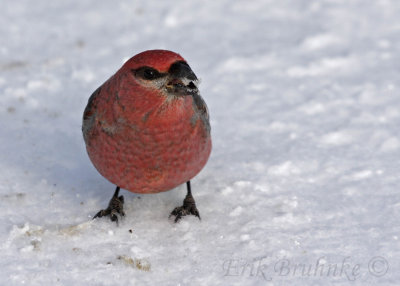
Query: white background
point(304, 102)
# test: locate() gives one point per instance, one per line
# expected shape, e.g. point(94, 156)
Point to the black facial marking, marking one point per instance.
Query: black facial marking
point(192, 85)
point(177, 87)
point(147, 73)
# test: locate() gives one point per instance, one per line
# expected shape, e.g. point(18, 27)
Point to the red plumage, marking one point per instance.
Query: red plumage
point(145, 134)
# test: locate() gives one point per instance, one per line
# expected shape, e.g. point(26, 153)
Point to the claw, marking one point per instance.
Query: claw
point(115, 208)
point(188, 208)
point(101, 213)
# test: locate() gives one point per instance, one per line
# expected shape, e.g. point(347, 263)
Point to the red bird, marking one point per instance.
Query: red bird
point(147, 129)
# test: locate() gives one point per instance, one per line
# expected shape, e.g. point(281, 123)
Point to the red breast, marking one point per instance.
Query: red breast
point(147, 129)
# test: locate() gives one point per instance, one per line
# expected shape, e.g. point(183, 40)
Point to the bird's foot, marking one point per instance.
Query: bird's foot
point(115, 208)
point(188, 208)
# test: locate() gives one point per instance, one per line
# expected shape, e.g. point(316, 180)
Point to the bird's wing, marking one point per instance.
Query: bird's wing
point(203, 110)
point(88, 114)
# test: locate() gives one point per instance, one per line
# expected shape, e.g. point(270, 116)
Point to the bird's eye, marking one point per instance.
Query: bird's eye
point(148, 73)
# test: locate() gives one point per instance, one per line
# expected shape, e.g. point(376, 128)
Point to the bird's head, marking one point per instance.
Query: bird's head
point(163, 71)
point(159, 86)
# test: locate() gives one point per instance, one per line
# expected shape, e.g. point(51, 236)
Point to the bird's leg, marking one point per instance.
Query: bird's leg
point(188, 208)
point(115, 207)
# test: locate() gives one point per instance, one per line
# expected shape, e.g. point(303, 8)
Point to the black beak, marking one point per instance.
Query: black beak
point(182, 70)
point(183, 81)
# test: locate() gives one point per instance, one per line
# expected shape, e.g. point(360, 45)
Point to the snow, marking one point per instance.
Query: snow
point(304, 172)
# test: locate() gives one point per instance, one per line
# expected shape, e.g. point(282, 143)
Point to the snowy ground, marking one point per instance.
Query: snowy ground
point(304, 174)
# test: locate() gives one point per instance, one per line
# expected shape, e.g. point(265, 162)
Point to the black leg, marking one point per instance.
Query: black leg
point(115, 207)
point(188, 208)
